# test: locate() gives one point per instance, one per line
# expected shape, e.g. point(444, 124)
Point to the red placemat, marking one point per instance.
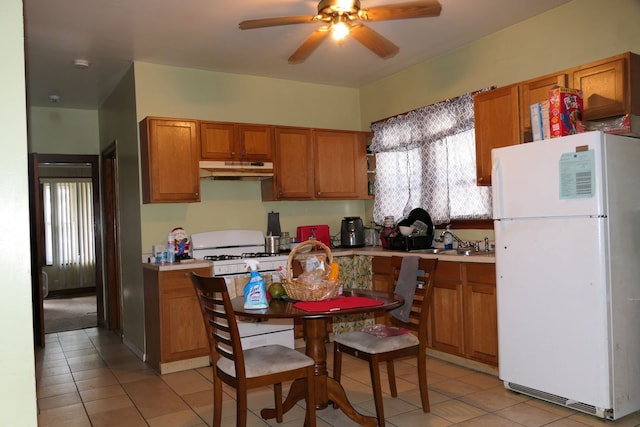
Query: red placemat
point(335, 304)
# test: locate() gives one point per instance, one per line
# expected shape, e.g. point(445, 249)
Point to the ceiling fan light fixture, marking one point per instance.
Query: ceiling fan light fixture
point(330, 7)
point(339, 28)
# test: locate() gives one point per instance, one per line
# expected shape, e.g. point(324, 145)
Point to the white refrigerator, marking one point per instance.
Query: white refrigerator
point(567, 231)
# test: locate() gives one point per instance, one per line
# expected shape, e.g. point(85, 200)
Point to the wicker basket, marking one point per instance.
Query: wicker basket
point(318, 291)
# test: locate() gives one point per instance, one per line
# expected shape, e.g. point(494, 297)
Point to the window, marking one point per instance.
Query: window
point(68, 228)
point(426, 159)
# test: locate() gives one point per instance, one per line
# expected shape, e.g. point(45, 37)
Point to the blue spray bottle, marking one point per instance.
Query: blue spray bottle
point(255, 292)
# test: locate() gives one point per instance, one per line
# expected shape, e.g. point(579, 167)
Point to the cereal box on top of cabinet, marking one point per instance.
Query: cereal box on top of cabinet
point(565, 111)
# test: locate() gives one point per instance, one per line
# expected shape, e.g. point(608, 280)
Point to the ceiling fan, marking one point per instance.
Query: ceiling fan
point(342, 18)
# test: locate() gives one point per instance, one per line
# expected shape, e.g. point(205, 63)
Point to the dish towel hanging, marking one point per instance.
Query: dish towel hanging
point(406, 287)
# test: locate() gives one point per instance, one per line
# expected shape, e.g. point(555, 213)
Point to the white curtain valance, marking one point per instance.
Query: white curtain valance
point(424, 125)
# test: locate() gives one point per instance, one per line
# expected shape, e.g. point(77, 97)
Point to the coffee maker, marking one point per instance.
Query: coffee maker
point(352, 232)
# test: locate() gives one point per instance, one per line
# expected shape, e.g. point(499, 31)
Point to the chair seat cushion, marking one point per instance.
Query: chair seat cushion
point(269, 359)
point(372, 344)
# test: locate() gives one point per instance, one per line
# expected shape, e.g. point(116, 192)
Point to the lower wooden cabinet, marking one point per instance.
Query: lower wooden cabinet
point(480, 313)
point(464, 312)
point(447, 323)
point(464, 318)
point(175, 334)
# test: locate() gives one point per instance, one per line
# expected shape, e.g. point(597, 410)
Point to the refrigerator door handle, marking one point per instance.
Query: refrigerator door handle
point(496, 183)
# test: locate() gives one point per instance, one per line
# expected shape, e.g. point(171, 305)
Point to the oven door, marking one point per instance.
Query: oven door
point(254, 333)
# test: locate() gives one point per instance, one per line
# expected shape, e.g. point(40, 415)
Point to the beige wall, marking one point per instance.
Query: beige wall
point(63, 131)
point(118, 124)
point(186, 93)
point(17, 371)
point(575, 33)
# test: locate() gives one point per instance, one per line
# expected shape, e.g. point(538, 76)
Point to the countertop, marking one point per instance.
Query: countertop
point(380, 251)
point(367, 250)
point(177, 265)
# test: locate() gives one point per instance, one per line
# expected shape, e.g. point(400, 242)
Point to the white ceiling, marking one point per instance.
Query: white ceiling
point(204, 34)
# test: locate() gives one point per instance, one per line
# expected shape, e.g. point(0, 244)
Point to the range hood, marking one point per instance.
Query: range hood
point(220, 169)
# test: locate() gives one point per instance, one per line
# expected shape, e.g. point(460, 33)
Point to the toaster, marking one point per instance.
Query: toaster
point(321, 233)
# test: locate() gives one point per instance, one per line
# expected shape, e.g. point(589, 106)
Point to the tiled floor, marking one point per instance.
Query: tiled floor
point(89, 378)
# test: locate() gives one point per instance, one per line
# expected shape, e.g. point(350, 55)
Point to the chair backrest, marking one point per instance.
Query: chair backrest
point(422, 298)
point(220, 321)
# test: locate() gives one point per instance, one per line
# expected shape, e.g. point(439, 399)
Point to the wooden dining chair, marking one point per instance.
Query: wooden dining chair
point(246, 369)
point(375, 348)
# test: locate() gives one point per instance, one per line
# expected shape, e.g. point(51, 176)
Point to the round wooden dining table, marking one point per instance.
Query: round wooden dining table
point(328, 390)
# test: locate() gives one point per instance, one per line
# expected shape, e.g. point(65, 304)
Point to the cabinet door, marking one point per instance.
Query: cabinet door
point(170, 155)
point(447, 333)
point(182, 328)
point(480, 313)
point(217, 141)
point(497, 124)
point(603, 88)
point(294, 165)
point(340, 164)
point(255, 142)
point(533, 91)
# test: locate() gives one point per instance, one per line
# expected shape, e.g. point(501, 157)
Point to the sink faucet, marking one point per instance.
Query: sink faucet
point(461, 242)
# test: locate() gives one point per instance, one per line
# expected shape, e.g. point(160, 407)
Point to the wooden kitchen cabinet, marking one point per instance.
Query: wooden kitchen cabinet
point(293, 178)
point(236, 141)
point(464, 318)
point(447, 324)
point(610, 87)
point(174, 329)
point(480, 313)
point(317, 165)
point(170, 153)
point(533, 91)
point(340, 164)
point(497, 125)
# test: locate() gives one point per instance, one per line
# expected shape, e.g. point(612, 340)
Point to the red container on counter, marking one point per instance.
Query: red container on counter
point(321, 232)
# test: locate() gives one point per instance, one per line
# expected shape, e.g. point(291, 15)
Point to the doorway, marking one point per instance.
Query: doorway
point(69, 269)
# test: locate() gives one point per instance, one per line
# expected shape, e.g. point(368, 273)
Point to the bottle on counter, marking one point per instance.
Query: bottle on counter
point(171, 249)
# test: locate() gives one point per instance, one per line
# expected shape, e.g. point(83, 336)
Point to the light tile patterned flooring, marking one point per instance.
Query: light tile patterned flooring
point(89, 378)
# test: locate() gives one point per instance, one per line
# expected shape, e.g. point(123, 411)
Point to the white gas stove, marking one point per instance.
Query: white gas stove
point(229, 250)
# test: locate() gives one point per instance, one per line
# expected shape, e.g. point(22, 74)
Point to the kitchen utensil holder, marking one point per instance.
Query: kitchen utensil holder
point(316, 291)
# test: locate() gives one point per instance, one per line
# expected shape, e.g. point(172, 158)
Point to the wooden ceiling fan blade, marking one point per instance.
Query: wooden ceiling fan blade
point(274, 22)
point(407, 10)
point(308, 46)
point(372, 40)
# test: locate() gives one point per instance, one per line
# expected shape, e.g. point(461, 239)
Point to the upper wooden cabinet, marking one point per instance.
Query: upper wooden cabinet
point(170, 152)
point(293, 166)
point(340, 164)
point(236, 141)
point(317, 164)
point(610, 87)
point(497, 125)
point(533, 91)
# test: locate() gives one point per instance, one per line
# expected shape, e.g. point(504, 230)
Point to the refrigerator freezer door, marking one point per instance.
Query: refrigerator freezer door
point(553, 324)
point(543, 178)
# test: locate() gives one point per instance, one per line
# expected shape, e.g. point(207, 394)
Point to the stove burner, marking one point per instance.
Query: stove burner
point(256, 255)
point(245, 255)
point(221, 257)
